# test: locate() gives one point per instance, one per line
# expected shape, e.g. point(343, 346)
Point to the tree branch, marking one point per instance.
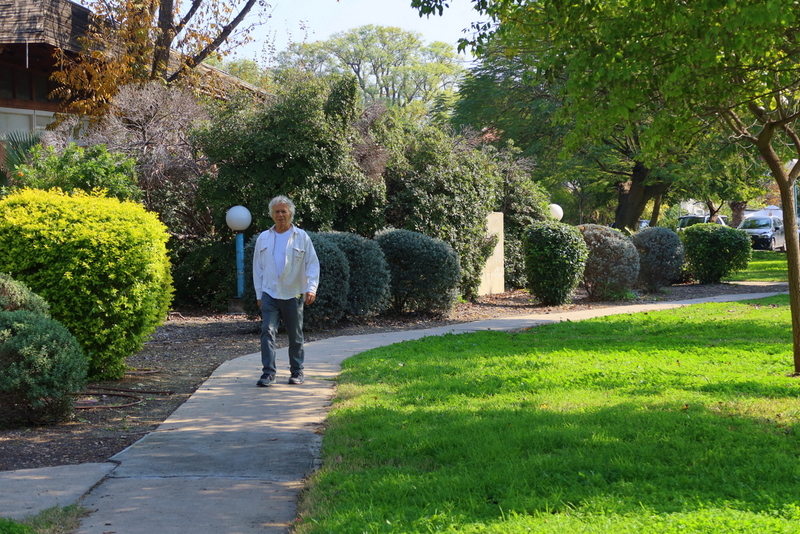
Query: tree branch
point(215, 44)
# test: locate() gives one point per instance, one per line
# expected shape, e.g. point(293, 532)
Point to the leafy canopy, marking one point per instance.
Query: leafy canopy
point(391, 65)
point(700, 62)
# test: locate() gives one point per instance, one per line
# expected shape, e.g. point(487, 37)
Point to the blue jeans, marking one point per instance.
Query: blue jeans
point(291, 311)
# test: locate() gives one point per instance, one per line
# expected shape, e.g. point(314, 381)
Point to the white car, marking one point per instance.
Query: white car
point(689, 220)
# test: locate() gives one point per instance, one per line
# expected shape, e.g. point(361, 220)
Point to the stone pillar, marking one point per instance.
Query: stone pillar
point(493, 277)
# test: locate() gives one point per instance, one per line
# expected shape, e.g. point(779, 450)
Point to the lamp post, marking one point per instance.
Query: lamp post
point(238, 219)
point(556, 212)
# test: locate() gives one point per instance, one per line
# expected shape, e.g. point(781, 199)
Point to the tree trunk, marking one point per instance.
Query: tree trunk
point(656, 210)
point(713, 211)
point(633, 197)
point(788, 204)
point(164, 38)
point(793, 264)
point(737, 212)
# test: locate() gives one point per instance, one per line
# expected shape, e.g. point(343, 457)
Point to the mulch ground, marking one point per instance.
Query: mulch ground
point(182, 353)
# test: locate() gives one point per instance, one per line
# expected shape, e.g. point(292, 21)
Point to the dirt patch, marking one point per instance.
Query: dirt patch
point(190, 346)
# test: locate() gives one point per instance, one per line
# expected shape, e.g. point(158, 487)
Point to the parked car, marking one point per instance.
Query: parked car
point(688, 220)
point(765, 232)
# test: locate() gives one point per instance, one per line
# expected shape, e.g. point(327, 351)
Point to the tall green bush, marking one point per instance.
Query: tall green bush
point(249, 298)
point(424, 271)
point(299, 143)
point(555, 257)
point(613, 264)
point(661, 257)
point(16, 296)
point(369, 274)
point(41, 367)
point(85, 169)
point(204, 273)
point(714, 251)
point(101, 264)
point(444, 187)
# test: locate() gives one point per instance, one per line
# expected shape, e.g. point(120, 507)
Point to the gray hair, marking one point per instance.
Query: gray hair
point(280, 199)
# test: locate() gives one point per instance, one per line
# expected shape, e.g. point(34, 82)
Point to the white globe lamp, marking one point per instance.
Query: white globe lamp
point(238, 218)
point(556, 212)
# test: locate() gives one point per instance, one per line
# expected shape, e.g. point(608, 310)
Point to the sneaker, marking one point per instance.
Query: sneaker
point(265, 380)
point(296, 378)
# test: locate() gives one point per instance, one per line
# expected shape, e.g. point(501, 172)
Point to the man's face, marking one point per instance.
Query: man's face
point(281, 214)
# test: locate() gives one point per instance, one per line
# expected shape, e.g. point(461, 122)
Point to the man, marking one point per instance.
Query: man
point(286, 277)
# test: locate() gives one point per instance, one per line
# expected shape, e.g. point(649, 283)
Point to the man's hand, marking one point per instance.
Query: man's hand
point(310, 298)
point(259, 303)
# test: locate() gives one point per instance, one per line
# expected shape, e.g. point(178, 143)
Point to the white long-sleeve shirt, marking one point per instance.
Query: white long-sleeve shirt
point(300, 273)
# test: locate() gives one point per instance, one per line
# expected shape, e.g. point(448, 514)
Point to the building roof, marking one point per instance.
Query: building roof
point(29, 29)
point(58, 23)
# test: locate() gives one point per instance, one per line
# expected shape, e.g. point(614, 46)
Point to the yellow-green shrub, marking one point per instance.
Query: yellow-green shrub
point(101, 264)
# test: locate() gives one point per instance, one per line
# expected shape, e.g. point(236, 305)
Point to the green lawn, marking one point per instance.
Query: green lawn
point(763, 267)
point(682, 421)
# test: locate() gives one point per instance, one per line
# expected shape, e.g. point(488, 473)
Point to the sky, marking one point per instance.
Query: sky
point(322, 18)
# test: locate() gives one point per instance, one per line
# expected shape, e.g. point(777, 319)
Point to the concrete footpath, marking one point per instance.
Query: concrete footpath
point(233, 458)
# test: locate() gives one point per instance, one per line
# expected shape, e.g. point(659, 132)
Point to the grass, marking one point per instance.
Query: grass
point(763, 267)
point(667, 422)
point(55, 520)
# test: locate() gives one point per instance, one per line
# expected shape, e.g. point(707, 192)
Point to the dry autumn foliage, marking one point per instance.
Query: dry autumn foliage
point(135, 41)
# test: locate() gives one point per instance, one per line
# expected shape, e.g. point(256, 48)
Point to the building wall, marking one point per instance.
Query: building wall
point(24, 120)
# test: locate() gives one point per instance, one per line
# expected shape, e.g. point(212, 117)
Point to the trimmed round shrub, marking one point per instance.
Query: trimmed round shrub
point(714, 251)
point(369, 274)
point(555, 256)
point(425, 272)
point(41, 367)
point(15, 296)
point(613, 264)
point(334, 282)
point(660, 257)
point(101, 264)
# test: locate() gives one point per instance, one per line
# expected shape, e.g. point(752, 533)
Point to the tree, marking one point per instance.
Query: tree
point(444, 186)
point(702, 62)
point(250, 72)
point(511, 98)
point(141, 40)
point(724, 172)
point(391, 65)
point(305, 143)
